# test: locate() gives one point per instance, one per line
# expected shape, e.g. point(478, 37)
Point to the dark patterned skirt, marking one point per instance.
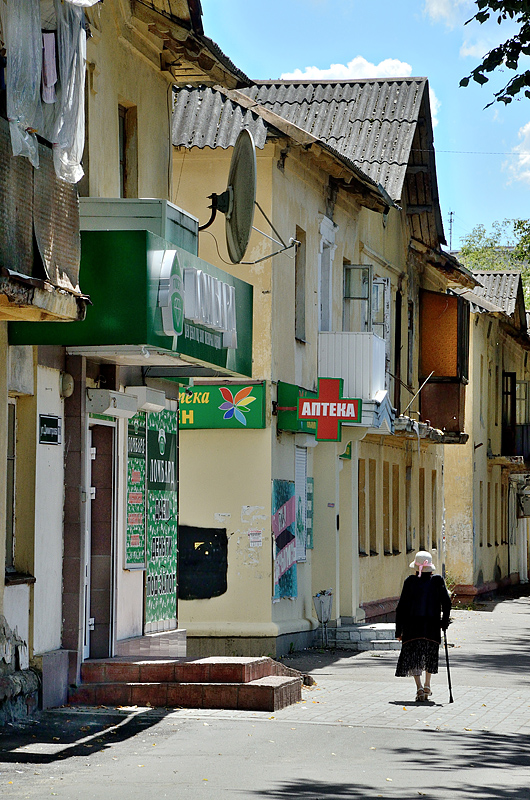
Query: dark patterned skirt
point(417, 656)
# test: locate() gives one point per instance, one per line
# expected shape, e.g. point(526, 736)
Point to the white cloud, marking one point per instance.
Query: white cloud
point(520, 169)
point(435, 106)
point(476, 49)
point(448, 11)
point(358, 67)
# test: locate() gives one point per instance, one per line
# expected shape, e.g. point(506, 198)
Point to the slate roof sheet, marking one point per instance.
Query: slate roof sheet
point(499, 287)
point(370, 122)
point(207, 118)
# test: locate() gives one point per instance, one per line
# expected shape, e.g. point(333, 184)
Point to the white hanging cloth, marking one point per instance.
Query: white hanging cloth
point(69, 130)
point(22, 34)
point(49, 67)
point(83, 3)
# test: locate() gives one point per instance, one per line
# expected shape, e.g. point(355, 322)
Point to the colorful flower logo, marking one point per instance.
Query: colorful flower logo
point(233, 406)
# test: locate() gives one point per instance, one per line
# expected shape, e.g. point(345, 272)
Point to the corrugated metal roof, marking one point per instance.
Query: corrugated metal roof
point(206, 118)
point(370, 122)
point(499, 287)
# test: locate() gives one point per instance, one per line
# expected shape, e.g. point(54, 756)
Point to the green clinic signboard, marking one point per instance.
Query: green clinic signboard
point(147, 292)
point(161, 536)
point(136, 487)
point(237, 407)
point(287, 407)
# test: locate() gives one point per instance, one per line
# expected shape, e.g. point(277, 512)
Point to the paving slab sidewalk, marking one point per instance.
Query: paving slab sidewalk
point(489, 654)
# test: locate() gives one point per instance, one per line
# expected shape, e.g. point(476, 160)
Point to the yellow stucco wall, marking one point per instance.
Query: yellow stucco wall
point(296, 196)
point(477, 486)
point(119, 74)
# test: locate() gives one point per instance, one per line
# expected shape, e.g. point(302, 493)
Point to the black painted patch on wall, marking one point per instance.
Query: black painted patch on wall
point(203, 562)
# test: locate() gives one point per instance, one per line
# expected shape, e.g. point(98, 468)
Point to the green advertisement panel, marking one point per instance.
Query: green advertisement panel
point(135, 528)
point(287, 408)
point(161, 539)
point(232, 406)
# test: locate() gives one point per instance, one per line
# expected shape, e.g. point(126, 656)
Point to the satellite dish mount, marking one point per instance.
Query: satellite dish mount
point(237, 203)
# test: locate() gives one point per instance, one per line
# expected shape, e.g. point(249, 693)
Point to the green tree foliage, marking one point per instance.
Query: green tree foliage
point(506, 246)
point(507, 54)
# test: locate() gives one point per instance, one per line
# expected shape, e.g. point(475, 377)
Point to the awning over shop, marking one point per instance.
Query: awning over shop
point(154, 304)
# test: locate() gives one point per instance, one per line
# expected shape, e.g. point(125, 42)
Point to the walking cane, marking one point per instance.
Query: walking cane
point(448, 673)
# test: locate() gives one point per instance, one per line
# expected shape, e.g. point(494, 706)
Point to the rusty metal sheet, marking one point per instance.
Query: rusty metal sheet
point(16, 208)
point(56, 221)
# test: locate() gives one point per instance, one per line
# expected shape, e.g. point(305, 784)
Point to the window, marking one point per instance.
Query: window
point(396, 522)
point(372, 497)
point(508, 413)
point(299, 286)
point(408, 505)
point(434, 510)
point(361, 484)
point(397, 352)
point(203, 562)
point(522, 401)
point(444, 336)
point(489, 537)
point(496, 517)
point(10, 484)
point(357, 297)
point(381, 316)
point(480, 513)
point(325, 274)
point(410, 345)
point(128, 150)
point(386, 509)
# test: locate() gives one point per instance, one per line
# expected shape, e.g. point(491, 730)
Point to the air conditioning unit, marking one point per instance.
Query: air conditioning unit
point(110, 403)
point(148, 399)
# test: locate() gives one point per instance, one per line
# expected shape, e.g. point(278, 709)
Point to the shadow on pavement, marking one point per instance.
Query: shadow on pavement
point(315, 790)
point(480, 751)
point(450, 753)
point(57, 736)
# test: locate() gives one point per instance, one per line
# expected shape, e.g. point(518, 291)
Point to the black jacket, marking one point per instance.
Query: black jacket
point(423, 608)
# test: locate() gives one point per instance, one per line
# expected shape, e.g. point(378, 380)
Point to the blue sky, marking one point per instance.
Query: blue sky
point(482, 156)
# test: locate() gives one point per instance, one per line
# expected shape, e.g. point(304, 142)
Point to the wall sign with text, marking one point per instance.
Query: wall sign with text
point(238, 407)
point(135, 528)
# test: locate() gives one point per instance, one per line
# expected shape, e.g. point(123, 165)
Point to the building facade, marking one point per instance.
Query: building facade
point(362, 298)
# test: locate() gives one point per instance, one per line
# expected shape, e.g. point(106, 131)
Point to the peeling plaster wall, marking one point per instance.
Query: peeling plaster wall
point(225, 482)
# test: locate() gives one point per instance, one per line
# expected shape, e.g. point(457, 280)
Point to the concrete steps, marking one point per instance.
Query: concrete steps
point(375, 636)
point(250, 684)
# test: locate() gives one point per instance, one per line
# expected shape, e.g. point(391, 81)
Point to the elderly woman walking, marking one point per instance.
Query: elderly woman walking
point(422, 612)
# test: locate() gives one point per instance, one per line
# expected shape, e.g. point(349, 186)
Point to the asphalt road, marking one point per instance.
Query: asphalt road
point(356, 734)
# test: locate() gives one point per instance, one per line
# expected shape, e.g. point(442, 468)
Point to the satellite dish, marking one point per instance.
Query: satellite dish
point(239, 199)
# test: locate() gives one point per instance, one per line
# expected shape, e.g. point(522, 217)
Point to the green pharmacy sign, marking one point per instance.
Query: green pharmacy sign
point(237, 407)
point(161, 538)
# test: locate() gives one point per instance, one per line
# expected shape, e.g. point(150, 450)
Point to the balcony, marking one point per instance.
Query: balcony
point(39, 239)
point(359, 359)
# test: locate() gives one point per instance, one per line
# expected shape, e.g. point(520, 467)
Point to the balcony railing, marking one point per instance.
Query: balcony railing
point(358, 358)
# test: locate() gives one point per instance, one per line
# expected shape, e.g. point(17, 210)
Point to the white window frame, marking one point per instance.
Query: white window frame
point(366, 321)
point(326, 256)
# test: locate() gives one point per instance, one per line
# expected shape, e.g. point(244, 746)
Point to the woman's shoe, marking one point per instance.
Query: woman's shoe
point(420, 695)
point(427, 691)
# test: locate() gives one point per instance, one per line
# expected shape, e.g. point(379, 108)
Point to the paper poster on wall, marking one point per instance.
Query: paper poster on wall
point(135, 527)
point(161, 538)
point(284, 538)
